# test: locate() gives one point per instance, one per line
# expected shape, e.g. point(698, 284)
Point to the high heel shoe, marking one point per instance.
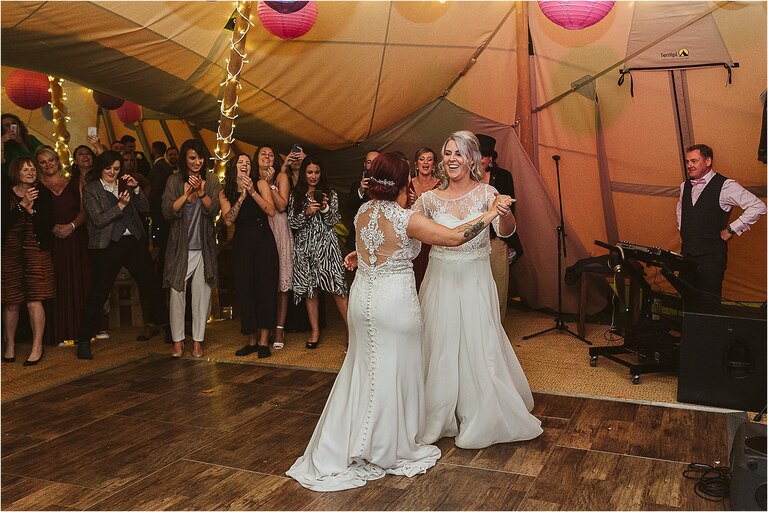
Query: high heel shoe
point(9, 359)
point(197, 349)
point(312, 344)
point(180, 351)
point(33, 363)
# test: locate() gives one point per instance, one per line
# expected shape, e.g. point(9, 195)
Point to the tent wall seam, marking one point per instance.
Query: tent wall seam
point(479, 51)
point(28, 16)
point(684, 124)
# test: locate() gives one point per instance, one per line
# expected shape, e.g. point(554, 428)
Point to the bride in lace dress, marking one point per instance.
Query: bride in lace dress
point(376, 407)
point(475, 389)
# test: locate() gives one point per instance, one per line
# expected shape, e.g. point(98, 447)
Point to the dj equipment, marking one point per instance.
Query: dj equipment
point(648, 335)
point(748, 468)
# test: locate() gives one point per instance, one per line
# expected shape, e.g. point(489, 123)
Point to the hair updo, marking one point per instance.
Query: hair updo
point(388, 168)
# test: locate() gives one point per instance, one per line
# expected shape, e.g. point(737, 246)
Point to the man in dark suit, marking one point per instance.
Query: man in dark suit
point(504, 251)
point(358, 194)
point(142, 165)
point(158, 176)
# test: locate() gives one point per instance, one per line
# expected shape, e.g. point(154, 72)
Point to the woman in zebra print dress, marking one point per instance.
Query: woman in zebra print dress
point(313, 210)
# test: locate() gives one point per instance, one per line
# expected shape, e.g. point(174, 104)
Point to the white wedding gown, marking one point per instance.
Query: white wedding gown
point(376, 407)
point(475, 389)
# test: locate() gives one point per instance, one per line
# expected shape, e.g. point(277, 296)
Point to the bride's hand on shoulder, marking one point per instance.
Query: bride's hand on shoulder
point(350, 261)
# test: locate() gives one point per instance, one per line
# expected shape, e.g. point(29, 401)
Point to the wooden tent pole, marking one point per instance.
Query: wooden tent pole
point(235, 63)
point(525, 127)
point(60, 123)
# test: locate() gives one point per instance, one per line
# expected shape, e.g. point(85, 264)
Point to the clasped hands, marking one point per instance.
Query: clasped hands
point(246, 183)
point(28, 201)
point(194, 188)
point(503, 205)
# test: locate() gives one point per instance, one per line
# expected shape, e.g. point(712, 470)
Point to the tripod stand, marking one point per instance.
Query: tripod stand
point(560, 324)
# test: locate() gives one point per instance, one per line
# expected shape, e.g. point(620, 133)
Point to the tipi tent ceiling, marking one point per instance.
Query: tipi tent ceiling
point(372, 70)
point(363, 66)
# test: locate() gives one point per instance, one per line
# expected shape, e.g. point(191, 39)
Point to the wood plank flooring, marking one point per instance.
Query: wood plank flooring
point(165, 434)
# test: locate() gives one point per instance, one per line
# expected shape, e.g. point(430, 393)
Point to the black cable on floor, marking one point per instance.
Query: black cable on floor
point(714, 482)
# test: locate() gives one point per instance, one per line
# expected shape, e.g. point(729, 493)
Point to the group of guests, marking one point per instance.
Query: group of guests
point(102, 217)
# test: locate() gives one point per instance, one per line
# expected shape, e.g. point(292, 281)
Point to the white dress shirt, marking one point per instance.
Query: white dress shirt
point(732, 194)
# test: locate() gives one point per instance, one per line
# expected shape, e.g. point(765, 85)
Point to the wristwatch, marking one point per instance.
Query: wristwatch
point(728, 229)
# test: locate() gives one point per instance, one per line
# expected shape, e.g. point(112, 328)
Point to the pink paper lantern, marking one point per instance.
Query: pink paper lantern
point(575, 15)
point(129, 113)
point(27, 89)
point(286, 19)
point(106, 101)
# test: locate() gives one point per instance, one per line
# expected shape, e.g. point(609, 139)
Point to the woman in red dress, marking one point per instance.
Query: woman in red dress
point(69, 251)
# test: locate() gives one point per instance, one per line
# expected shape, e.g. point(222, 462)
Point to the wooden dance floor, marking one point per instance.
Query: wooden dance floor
point(163, 434)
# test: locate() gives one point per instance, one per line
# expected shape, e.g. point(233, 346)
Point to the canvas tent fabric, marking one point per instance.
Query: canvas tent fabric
point(400, 75)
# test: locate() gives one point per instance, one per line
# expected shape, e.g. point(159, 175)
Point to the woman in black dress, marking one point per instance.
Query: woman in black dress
point(247, 203)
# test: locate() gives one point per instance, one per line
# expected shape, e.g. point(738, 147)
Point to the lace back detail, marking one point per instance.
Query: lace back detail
point(382, 242)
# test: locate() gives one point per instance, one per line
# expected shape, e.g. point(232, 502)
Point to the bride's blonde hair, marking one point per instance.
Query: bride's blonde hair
point(469, 148)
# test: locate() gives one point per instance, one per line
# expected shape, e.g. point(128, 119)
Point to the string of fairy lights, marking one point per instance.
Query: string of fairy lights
point(60, 119)
point(231, 85)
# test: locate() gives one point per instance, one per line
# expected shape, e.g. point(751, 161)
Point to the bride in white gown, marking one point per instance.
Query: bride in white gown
point(376, 407)
point(475, 389)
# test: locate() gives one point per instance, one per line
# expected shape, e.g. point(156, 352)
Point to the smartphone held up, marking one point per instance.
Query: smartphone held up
point(122, 184)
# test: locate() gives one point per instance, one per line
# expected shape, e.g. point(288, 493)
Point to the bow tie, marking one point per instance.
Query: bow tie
point(700, 181)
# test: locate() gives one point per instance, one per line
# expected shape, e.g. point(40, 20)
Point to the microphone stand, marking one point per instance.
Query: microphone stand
point(560, 324)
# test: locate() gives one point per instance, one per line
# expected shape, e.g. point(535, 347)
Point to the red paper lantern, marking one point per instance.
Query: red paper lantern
point(106, 101)
point(129, 113)
point(27, 89)
point(287, 19)
point(575, 15)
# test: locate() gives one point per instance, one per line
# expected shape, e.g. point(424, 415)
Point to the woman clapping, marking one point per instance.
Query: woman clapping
point(27, 267)
point(246, 202)
point(190, 203)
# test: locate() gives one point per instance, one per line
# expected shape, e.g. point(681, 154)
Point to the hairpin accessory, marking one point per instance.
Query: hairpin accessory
point(389, 183)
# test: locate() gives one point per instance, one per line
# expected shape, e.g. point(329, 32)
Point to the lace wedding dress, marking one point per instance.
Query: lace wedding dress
point(376, 407)
point(475, 388)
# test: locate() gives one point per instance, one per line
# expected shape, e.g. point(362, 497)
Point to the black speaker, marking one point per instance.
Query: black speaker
point(723, 359)
point(748, 468)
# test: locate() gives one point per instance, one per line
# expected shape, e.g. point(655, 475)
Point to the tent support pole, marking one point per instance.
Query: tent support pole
point(525, 128)
point(167, 133)
point(104, 113)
